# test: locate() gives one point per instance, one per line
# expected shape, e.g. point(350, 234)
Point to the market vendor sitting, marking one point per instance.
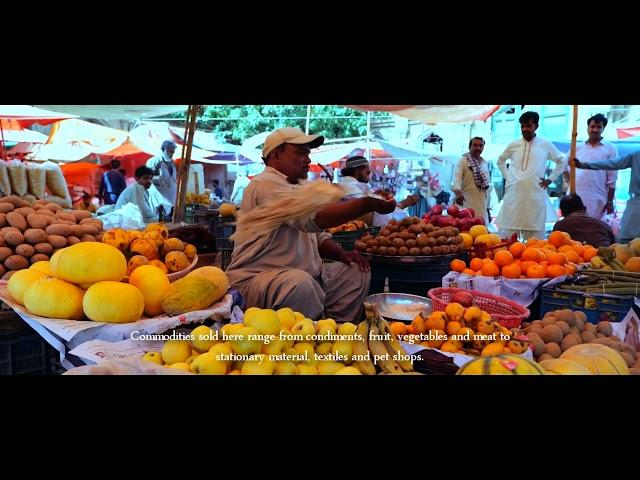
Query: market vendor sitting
point(138, 194)
point(581, 226)
point(284, 268)
point(85, 203)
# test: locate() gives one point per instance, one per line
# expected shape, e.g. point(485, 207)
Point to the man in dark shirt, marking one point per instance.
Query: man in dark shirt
point(581, 226)
point(112, 185)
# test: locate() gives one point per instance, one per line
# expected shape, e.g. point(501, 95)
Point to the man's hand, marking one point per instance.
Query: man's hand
point(460, 199)
point(544, 183)
point(384, 206)
point(354, 257)
point(577, 163)
point(608, 208)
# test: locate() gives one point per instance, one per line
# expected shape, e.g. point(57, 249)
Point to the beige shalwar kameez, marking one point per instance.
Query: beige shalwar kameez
point(284, 268)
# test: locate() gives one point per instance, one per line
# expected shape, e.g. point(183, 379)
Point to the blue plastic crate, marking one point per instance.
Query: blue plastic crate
point(596, 307)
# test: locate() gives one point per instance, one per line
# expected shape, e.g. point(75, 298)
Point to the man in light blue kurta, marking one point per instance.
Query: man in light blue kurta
point(630, 224)
point(138, 194)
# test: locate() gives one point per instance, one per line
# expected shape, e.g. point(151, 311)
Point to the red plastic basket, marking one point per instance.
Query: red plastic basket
point(507, 313)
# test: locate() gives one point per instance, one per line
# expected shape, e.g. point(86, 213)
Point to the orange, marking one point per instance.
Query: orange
point(531, 254)
point(536, 271)
point(516, 249)
point(555, 271)
point(558, 239)
point(398, 329)
point(503, 258)
point(457, 265)
point(542, 254)
point(468, 271)
point(511, 271)
point(544, 264)
point(573, 257)
point(550, 247)
point(565, 249)
point(490, 269)
point(574, 242)
point(589, 253)
point(436, 321)
point(570, 269)
point(524, 266)
point(557, 259)
point(411, 330)
point(476, 264)
point(532, 242)
point(579, 249)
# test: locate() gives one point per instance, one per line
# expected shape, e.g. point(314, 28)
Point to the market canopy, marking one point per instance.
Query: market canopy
point(432, 114)
point(17, 117)
point(116, 112)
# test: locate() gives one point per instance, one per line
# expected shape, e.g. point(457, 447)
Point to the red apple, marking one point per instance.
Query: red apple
point(453, 210)
point(464, 298)
point(456, 223)
point(472, 211)
point(436, 210)
point(478, 221)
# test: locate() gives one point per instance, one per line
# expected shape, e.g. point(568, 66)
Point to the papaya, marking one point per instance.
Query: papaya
point(189, 294)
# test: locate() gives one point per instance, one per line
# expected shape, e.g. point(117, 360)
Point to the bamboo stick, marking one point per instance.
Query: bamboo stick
point(572, 152)
point(183, 172)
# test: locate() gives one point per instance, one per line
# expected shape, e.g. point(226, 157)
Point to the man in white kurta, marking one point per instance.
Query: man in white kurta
point(165, 175)
point(596, 187)
point(524, 206)
point(138, 194)
point(471, 181)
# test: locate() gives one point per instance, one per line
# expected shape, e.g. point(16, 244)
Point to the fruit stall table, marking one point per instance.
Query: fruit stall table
point(65, 335)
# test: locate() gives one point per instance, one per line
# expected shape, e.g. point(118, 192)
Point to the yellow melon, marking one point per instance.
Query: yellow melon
point(44, 266)
point(559, 366)
point(633, 264)
point(113, 302)
point(189, 294)
point(152, 283)
point(53, 298)
point(501, 365)
point(86, 263)
point(21, 281)
point(599, 359)
point(216, 276)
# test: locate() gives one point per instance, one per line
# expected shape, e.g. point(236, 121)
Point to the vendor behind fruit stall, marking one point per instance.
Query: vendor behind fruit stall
point(356, 175)
point(284, 268)
point(138, 194)
point(581, 226)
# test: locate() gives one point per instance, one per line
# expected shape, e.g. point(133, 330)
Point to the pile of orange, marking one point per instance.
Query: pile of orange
point(559, 255)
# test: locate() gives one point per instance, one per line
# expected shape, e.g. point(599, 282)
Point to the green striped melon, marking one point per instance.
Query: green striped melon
point(501, 365)
point(599, 359)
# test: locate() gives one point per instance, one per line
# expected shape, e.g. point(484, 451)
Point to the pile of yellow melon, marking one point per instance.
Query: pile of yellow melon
point(151, 247)
point(85, 280)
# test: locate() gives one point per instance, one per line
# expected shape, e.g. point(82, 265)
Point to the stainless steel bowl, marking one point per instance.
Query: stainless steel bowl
point(390, 305)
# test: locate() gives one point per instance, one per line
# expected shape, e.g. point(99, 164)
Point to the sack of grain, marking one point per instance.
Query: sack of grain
point(5, 183)
point(56, 183)
point(37, 177)
point(18, 178)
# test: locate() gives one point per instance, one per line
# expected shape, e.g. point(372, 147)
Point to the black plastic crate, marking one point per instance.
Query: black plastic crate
point(596, 307)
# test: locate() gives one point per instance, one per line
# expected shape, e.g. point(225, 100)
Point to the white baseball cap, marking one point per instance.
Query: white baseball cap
point(290, 135)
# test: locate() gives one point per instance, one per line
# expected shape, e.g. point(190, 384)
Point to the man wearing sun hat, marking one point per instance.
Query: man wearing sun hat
point(284, 268)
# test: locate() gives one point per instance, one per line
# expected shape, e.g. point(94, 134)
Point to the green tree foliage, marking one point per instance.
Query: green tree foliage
point(236, 123)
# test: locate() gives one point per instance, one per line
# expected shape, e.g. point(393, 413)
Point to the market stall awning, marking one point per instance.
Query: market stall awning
point(17, 117)
point(116, 112)
point(96, 137)
point(23, 135)
point(432, 114)
point(627, 132)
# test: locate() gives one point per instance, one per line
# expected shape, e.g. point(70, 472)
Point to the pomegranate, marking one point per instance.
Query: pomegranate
point(465, 213)
point(464, 298)
point(453, 210)
point(436, 210)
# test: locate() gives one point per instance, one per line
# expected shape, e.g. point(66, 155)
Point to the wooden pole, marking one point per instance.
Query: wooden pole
point(572, 152)
point(183, 172)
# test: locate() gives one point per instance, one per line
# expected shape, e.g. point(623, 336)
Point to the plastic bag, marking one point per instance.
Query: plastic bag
point(18, 177)
point(127, 217)
point(37, 177)
point(5, 183)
